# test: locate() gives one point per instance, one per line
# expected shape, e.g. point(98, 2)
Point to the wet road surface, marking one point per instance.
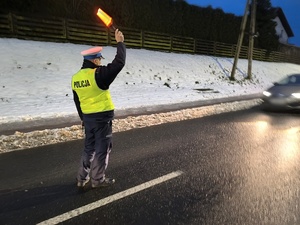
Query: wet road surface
point(234, 168)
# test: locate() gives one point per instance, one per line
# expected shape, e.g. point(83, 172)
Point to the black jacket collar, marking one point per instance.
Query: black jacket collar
point(88, 64)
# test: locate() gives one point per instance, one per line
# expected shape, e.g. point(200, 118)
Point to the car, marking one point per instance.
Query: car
point(283, 95)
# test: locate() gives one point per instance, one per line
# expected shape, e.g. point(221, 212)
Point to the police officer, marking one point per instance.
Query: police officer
point(95, 108)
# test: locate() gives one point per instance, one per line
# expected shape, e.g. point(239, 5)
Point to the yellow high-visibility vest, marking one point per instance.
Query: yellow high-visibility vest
point(92, 98)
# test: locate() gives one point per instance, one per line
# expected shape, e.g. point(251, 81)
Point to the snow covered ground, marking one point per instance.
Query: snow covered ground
point(35, 84)
point(35, 78)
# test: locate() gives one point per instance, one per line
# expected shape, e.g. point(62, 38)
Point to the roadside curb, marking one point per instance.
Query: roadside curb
point(61, 122)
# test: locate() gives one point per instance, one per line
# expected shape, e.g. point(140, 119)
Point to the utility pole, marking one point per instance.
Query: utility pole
point(240, 40)
point(251, 38)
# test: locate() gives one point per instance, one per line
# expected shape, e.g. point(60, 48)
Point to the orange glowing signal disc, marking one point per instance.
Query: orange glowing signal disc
point(106, 19)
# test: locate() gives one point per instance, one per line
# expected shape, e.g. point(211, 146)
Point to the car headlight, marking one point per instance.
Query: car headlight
point(266, 93)
point(296, 95)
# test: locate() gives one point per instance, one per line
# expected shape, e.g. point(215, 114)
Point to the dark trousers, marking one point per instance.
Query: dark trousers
point(97, 146)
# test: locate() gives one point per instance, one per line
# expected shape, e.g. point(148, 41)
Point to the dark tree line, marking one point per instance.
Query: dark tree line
point(175, 17)
point(265, 26)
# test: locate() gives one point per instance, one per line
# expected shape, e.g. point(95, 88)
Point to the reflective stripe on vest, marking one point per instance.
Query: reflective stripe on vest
point(92, 98)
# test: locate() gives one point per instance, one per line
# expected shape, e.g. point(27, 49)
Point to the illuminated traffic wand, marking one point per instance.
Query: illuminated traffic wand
point(106, 19)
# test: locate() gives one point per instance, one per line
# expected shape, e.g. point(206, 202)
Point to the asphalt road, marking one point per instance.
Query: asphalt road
point(234, 168)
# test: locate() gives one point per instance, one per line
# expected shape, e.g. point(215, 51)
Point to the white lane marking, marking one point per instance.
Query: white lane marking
point(110, 199)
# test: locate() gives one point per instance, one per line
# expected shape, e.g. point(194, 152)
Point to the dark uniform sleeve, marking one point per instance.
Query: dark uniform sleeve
point(77, 104)
point(105, 75)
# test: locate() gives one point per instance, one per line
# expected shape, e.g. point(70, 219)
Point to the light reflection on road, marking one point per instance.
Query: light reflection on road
point(271, 169)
